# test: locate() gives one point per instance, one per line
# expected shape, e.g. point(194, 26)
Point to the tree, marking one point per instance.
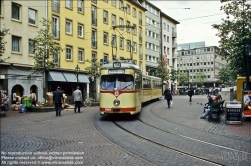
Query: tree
point(234, 31)
point(162, 71)
point(200, 77)
point(44, 48)
point(226, 75)
point(93, 69)
point(3, 33)
point(174, 74)
point(182, 78)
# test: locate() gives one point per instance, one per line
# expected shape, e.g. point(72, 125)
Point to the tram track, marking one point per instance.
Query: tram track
point(167, 147)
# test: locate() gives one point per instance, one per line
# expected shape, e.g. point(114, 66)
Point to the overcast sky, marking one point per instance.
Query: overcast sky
point(193, 29)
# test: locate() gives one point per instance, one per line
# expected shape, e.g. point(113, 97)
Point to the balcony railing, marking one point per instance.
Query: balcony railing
point(174, 34)
point(55, 33)
point(94, 21)
point(94, 44)
point(55, 6)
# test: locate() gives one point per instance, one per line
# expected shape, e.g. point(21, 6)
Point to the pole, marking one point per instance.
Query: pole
point(188, 78)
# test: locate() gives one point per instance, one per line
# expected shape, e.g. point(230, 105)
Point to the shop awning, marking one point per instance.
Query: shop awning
point(55, 76)
point(70, 77)
point(83, 78)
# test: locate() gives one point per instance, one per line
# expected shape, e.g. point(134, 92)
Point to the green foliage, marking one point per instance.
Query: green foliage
point(174, 74)
point(182, 78)
point(162, 71)
point(227, 75)
point(3, 33)
point(234, 31)
point(93, 69)
point(44, 47)
point(200, 77)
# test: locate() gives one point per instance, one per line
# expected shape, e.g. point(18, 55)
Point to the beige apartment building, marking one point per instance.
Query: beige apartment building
point(22, 20)
point(205, 60)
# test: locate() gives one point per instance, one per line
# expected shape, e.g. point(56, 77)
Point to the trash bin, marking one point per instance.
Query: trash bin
point(28, 102)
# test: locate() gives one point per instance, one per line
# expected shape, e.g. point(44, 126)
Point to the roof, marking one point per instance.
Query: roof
point(168, 17)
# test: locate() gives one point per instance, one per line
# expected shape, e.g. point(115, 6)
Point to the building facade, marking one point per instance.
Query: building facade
point(205, 60)
point(169, 43)
point(187, 46)
point(22, 20)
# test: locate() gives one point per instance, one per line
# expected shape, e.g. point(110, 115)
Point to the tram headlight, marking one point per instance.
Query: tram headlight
point(116, 102)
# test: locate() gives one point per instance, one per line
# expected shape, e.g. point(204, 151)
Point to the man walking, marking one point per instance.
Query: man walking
point(58, 99)
point(190, 94)
point(77, 95)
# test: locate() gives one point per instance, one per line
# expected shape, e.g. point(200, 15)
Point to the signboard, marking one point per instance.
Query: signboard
point(246, 101)
point(233, 113)
point(116, 71)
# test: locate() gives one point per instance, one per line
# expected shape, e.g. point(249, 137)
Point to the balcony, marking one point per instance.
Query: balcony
point(174, 45)
point(140, 39)
point(94, 44)
point(140, 21)
point(94, 21)
point(56, 33)
point(55, 6)
point(174, 34)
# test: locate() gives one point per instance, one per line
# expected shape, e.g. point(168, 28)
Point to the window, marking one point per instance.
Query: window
point(55, 58)
point(114, 41)
point(94, 55)
point(134, 30)
point(105, 16)
point(134, 12)
point(106, 57)
point(105, 38)
point(80, 55)
point(113, 20)
point(121, 23)
point(164, 38)
point(68, 53)
point(128, 9)
point(121, 43)
point(167, 28)
point(94, 38)
point(167, 39)
point(94, 15)
point(55, 5)
point(55, 27)
point(16, 41)
point(80, 30)
point(140, 52)
point(15, 11)
point(121, 4)
point(128, 45)
point(31, 46)
point(68, 27)
point(134, 47)
point(127, 26)
point(164, 26)
point(113, 2)
point(68, 4)
point(80, 6)
point(140, 18)
point(0, 7)
point(32, 16)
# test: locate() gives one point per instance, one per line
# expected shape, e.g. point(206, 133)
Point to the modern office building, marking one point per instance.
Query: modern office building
point(205, 60)
point(187, 46)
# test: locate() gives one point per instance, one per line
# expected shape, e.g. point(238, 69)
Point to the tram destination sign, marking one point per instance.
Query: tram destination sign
point(233, 113)
point(118, 71)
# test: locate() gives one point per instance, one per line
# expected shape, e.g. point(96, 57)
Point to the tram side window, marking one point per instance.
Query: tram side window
point(125, 82)
point(146, 83)
point(108, 82)
point(137, 80)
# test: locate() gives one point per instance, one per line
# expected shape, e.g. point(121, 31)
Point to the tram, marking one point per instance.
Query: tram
point(123, 88)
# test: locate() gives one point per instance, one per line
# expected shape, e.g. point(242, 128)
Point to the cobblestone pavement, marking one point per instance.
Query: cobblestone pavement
point(45, 133)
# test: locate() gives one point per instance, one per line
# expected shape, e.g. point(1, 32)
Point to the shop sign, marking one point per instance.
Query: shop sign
point(233, 113)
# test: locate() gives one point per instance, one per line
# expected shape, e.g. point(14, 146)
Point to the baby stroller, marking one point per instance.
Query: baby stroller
point(214, 114)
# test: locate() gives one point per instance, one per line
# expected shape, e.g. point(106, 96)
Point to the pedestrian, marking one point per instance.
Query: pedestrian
point(190, 93)
point(14, 98)
point(168, 97)
point(5, 100)
point(33, 98)
point(215, 104)
point(58, 100)
point(77, 95)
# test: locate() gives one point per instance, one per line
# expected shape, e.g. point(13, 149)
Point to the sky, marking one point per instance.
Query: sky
point(192, 29)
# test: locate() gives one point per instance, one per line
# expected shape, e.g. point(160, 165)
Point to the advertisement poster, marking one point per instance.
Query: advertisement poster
point(246, 100)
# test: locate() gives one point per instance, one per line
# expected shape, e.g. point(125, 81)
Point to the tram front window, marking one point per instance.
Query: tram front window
point(120, 82)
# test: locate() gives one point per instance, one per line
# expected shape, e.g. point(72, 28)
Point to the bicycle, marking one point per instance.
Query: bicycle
point(87, 102)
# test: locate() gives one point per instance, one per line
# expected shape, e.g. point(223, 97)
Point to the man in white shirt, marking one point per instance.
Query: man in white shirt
point(77, 95)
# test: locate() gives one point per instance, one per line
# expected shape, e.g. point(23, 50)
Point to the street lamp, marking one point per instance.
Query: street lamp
point(248, 60)
point(77, 71)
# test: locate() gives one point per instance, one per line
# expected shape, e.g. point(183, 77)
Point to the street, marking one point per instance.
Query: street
point(157, 136)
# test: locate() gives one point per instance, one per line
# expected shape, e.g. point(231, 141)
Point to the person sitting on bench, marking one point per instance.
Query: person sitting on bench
point(215, 105)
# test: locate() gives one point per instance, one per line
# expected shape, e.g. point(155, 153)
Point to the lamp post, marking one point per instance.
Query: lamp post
point(248, 60)
point(77, 71)
point(188, 78)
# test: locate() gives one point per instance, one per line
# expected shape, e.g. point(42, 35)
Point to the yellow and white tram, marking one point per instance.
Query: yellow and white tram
point(123, 87)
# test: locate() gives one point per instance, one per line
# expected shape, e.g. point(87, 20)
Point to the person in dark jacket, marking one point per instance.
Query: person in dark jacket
point(58, 100)
point(168, 96)
point(190, 94)
point(215, 104)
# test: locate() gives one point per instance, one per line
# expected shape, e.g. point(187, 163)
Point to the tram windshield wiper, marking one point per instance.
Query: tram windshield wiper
point(127, 86)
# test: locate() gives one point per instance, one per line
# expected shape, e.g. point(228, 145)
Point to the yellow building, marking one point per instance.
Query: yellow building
point(88, 29)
